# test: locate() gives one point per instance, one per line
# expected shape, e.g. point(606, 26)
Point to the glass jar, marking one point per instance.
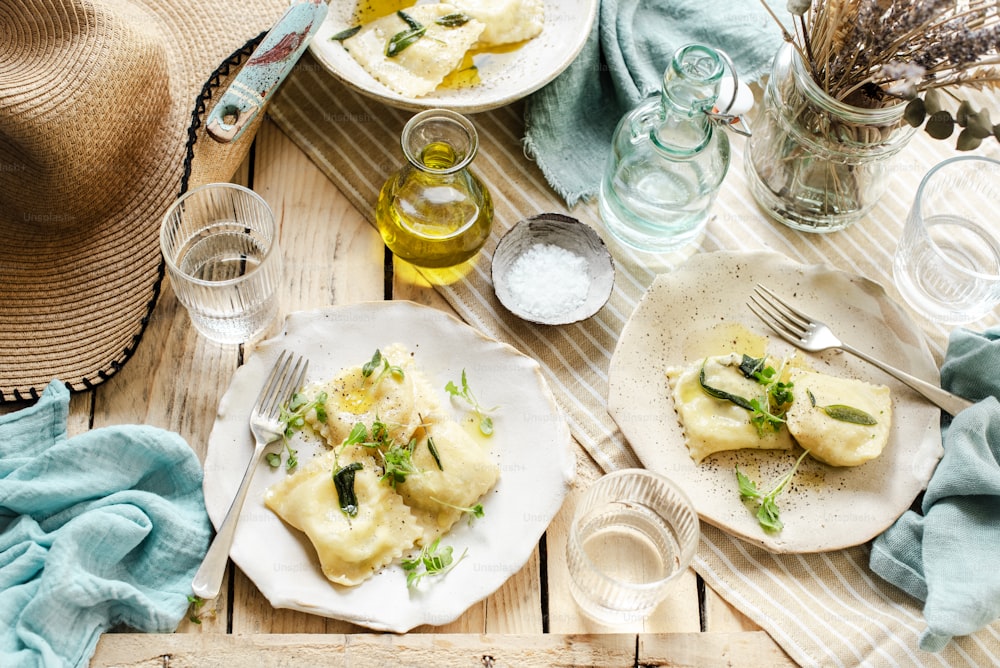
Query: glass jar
point(434, 212)
point(815, 163)
point(668, 158)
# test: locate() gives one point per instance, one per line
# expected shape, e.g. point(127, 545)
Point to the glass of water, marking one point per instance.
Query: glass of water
point(632, 534)
point(947, 263)
point(221, 250)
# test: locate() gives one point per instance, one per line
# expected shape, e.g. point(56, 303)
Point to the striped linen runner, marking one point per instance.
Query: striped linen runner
point(823, 609)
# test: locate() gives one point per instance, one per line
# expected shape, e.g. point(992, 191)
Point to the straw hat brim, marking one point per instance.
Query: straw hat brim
point(76, 294)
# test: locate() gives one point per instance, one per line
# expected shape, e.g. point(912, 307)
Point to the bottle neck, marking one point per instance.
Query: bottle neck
point(690, 88)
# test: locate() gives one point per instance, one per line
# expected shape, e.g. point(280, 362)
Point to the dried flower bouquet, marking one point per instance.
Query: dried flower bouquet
point(874, 53)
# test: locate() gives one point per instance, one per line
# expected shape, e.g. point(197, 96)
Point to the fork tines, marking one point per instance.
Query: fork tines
point(777, 314)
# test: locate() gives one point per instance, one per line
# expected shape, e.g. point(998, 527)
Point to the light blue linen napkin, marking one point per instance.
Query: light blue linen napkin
point(570, 122)
point(97, 530)
point(948, 555)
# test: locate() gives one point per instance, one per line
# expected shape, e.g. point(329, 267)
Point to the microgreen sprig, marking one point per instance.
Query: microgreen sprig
point(768, 514)
point(432, 560)
point(397, 460)
point(293, 417)
point(474, 512)
point(485, 421)
point(378, 362)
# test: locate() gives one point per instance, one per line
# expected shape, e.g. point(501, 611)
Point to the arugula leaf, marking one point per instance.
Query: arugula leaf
point(378, 362)
point(768, 515)
point(485, 421)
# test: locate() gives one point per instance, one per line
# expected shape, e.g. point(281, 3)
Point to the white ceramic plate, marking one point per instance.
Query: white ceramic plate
point(504, 77)
point(531, 443)
point(700, 306)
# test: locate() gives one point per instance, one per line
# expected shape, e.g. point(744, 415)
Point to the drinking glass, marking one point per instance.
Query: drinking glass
point(221, 250)
point(947, 263)
point(633, 533)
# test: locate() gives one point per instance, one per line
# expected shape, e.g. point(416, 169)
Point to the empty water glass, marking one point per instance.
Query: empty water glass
point(633, 533)
point(221, 250)
point(947, 263)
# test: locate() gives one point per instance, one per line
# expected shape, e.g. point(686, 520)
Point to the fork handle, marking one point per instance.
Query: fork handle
point(208, 580)
point(951, 404)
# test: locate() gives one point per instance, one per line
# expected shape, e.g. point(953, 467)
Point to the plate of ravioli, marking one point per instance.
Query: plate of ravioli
point(464, 55)
point(693, 351)
point(429, 461)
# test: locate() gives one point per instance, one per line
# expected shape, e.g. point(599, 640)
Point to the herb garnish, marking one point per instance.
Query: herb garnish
point(767, 512)
point(767, 410)
point(474, 512)
point(343, 480)
point(195, 604)
point(434, 452)
point(293, 416)
point(377, 361)
point(415, 30)
point(485, 421)
point(432, 560)
point(346, 34)
point(844, 413)
point(397, 460)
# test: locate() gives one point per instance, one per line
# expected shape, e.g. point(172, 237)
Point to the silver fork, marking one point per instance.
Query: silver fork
point(287, 375)
point(808, 333)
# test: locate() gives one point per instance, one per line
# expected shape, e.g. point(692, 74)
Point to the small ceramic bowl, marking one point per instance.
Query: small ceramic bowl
point(552, 269)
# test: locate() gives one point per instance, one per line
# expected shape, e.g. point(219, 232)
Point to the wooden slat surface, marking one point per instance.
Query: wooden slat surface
point(333, 256)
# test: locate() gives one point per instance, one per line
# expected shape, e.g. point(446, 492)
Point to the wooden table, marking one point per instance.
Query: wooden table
point(333, 256)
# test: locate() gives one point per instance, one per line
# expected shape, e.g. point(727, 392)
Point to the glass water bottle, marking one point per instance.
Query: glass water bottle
point(434, 212)
point(668, 158)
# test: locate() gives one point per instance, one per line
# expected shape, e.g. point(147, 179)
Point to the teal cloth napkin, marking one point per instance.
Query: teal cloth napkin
point(948, 555)
point(570, 122)
point(97, 530)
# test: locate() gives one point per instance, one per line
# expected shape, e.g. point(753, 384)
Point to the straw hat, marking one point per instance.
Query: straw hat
point(101, 103)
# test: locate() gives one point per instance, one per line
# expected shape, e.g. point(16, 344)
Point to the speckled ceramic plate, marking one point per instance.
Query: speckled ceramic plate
point(697, 310)
point(531, 443)
point(505, 75)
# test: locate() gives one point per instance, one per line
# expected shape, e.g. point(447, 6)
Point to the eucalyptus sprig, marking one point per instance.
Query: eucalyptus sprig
point(465, 393)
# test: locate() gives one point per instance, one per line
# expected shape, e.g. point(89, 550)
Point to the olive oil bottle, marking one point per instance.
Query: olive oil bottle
point(434, 212)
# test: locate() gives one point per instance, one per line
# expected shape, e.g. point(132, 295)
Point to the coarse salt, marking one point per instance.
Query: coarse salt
point(548, 281)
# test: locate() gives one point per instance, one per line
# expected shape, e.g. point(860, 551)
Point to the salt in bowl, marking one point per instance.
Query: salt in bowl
point(552, 269)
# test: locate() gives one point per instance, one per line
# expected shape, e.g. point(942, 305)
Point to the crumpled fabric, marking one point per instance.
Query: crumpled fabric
point(97, 530)
point(948, 554)
point(570, 122)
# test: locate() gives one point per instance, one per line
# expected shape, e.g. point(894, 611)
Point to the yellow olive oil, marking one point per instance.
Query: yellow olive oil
point(430, 217)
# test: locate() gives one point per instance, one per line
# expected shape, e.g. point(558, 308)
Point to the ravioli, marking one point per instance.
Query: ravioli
point(715, 425)
point(834, 441)
point(353, 397)
point(401, 504)
point(350, 549)
point(506, 21)
point(436, 494)
point(422, 66)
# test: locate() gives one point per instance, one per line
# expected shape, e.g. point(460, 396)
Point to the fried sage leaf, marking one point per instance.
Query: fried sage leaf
point(845, 413)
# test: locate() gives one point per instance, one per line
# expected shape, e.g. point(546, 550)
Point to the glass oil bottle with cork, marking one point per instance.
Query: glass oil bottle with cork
point(434, 212)
point(669, 155)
